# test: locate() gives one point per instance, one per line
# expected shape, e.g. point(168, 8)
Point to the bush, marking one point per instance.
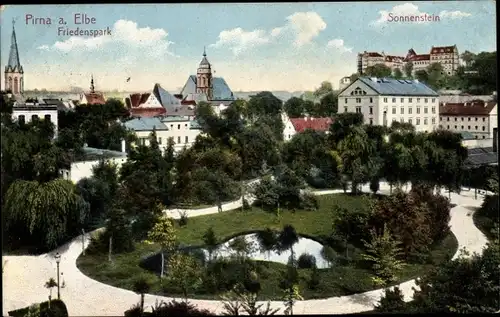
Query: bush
point(306, 261)
point(309, 202)
point(374, 185)
point(246, 205)
point(135, 311)
point(175, 308)
point(183, 220)
point(314, 280)
point(392, 302)
point(57, 309)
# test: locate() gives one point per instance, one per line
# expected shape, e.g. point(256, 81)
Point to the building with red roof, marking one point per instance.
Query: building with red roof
point(316, 124)
point(92, 97)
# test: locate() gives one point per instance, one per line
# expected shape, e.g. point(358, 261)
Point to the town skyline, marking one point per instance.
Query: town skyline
point(289, 47)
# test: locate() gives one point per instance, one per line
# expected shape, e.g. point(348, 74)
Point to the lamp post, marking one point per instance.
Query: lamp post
point(58, 260)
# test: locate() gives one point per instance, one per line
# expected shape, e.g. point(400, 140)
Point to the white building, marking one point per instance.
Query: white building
point(33, 110)
point(478, 117)
point(181, 129)
point(382, 101)
point(288, 128)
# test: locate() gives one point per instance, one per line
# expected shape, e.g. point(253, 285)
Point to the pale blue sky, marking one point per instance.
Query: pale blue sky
point(253, 46)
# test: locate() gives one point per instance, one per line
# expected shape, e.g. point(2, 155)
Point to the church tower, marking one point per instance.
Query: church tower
point(14, 73)
point(204, 77)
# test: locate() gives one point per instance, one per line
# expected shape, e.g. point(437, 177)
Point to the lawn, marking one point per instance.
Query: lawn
point(341, 280)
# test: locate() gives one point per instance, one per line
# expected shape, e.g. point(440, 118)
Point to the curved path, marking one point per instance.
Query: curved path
point(24, 276)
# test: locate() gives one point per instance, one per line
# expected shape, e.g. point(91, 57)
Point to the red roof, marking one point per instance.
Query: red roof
point(95, 99)
point(442, 49)
point(317, 124)
point(147, 112)
point(136, 100)
point(472, 108)
point(421, 57)
point(373, 54)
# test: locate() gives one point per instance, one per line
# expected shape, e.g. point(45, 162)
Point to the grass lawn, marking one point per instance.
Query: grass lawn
point(485, 224)
point(341, 280)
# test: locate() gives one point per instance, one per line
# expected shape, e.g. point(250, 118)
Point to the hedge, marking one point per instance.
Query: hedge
point(57, 309)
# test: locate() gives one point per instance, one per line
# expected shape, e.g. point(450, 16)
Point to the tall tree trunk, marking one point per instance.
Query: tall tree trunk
point(110, 247)
point(162, 264)
point(142, 303)
point(390, 188)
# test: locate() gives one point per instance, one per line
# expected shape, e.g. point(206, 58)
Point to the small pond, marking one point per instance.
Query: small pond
point(304, 245)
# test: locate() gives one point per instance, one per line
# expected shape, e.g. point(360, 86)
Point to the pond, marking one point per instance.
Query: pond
point(304, 245)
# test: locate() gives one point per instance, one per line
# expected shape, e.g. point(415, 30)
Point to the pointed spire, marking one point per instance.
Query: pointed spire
point(92, 90)
point(204, 52)
point(14, 65)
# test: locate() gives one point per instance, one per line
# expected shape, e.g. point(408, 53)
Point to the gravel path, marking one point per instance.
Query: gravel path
point(24, 276)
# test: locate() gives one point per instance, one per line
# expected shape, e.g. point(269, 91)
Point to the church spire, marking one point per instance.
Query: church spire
point(92, 89)
point(204, 52)
point(14, 65)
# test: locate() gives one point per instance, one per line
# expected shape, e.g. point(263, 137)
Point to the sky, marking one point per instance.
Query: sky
point(279, 46)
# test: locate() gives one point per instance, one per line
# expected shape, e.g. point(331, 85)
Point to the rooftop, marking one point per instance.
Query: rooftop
point(93, 154)
point(317, 124)
point(95, 98)
point(481, 156)
point(146, 124)
point(472, 108)
point(396, 87)
point(443, 49)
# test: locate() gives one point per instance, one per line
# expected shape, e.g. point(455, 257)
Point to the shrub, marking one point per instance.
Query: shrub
point(183, 220)
point(391, 302)
point(309, 202)
point(57, 309)
point(306, 261)
point(374, 185)
point(135, 311)
point(175, 308)
point(246, 205)
point(314, 280)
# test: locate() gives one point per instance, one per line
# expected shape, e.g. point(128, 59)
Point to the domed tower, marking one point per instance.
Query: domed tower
point(204, 77)
point(14, 73)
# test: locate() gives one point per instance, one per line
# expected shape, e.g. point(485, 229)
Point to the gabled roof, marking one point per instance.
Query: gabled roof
point(168, 101)
point(317, 124)
point(443, 49)
point(135, 100)
point(95, 98)
point(221, 90)
point(390, 58)
point(395, 87)
point(473, 108)
point(421, 57)
point(145, 124)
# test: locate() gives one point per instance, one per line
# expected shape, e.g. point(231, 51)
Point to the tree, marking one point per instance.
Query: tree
point(95, 192)
point(422, 75)
point(267, 240)
point(242, 247)
point(264, 103)
point(107, 172)
point(290, 296)
point(397, 74)
point(211, 242)
point(328, 255)
point(184, 272)
point(329, 105)
point(163, 233)
point(378, 70)
point(374, 185)
point(51, 283)
point(468, 58)
point(408, 69)
point(436, 76)
point(294, 107)
point(141, 286)
point(287, 238)
point(383, 251)
point(325, 88)
point(118, 231)
point(392, 302)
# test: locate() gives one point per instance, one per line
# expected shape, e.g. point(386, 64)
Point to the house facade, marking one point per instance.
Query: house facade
point(30, 110)
point(478, 118)
point(383, 100)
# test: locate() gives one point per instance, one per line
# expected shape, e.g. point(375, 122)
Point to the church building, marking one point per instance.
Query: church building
point(14, 73)
point(93, 97)
point(205, 87)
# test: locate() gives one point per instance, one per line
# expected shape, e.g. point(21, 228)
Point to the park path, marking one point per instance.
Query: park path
point(24, 276)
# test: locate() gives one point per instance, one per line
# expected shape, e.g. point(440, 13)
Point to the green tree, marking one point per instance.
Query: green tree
point(242, 247)
point(141, 286)
point(185, 272)
point(378, 70)
point(287, 238)
point(211, 242)
point(294, 107)
point(422, 75)
point(163, 233)
point(392, 302)
point(329, 105)
point(397, 73)
point(408, 69)
point(267, 239)
point(324, 89)
point(264, 103)
point(467, 57)
point(290, 296)
point(384, 252)
point(50, 284)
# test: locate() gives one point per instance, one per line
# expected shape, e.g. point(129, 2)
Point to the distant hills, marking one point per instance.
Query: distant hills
point(74, 93)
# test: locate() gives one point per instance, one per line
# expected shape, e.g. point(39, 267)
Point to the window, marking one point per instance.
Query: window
point(462, 118)
point(159, 140)
point(371, 110)
point(484, 128)
point(345, 100)
point(371, 121)
point(171, 126)
point(409, 110)
point(426, 110)
point(447, 127)
point(476, 119)
point(46, 117)
point(418, 110)
point(186, 125)
point(418, 99)
point(476, 137)
point(441, 119)
point(484, 119)
point(425, 121)
point(178, 126)
point(455, 119)
point(455, 127)
point(433, 100)
point(402, 100)
point(345, 109)
point(433, 120)
point(426, 100)
point(433, 109)
point(385, 100)
point(418, 121)
point(143, 141)
point(393, 119)
point(462, 127)
point(187, 139)
point(410, 121)
point(358, 100)
point(475, 127)
point(410, 100)
point(21, 119)
point(358, 109)
point(484, 136)
point(401, 120)
point(393, 100)
point(178, 139)
point(371, 100)
point(393, 110)
point(468, 119)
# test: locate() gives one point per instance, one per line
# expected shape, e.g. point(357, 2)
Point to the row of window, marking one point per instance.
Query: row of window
point(22, 118)
point(402, 100)
point(410, 110)
point(159, 139)
point(417, 121)
point(468, 127)
point(468, 119)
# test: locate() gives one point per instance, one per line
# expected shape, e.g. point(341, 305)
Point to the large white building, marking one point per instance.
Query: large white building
point(478, 117)
point(181, 129)
point(382, 101)
point(30, 110)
